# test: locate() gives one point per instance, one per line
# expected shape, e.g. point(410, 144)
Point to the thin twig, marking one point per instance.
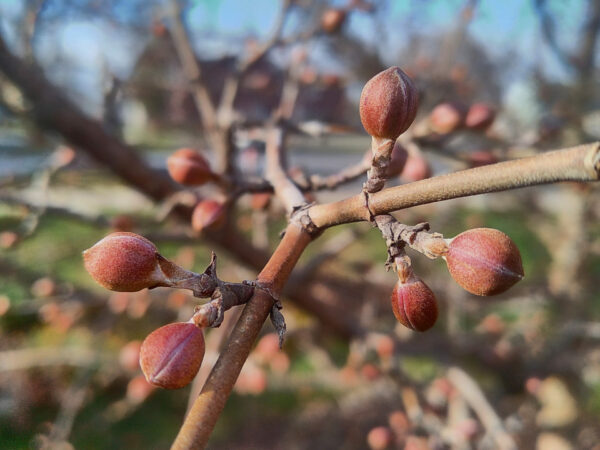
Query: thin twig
point(285, 189)
point(219, 137)
point(232, 83)
point(469, 389)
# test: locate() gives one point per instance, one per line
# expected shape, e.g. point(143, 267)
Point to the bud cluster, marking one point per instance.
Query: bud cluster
point(483, 261)
point(171, 355)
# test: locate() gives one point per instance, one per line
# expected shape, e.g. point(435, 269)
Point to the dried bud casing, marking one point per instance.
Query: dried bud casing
point(188, 167)
point(484, 261)
point(480, 116)
point(125, 262)
point(208, 214)
point(414, 304)
point(388, 104)
point(171, 355)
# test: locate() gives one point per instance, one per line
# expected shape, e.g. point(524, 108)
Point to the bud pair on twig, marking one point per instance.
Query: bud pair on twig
point(483, 261)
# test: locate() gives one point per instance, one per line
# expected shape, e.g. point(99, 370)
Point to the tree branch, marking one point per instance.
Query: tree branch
point(203, 415)
point(284, 188)
point(581, 163)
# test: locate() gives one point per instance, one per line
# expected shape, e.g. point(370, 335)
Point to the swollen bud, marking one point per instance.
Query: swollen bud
point(446, 118)
point(332, 20)
point(188, 167)
point(388, 104)
point(484, 261)
point(208, 214)
point(171, 356)
point(414, 304)
point(416, 168)
point(480, 116)
point(124, 262)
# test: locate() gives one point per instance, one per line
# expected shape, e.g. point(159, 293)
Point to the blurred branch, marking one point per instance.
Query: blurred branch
point(469, 389)
point(33, 8)
point(220, 137)
point(56, 113)
point(51, 356)
point(71, 403)
point(284, 188)
point(232, 83)
point(548, 31)
point(40, 210)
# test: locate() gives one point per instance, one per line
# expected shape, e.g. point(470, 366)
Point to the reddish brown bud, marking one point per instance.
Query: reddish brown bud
point(416, 168)
point(124, 262)
point(188, 167)
point(332, 20)
point(388, 104)
point(397, 160)
point(446, 118)
point(480, 116)
point(171, 355)
point(484, 261)
point(208, 214)
point(43, 287)
point(414, 304)
point(379, 438)
point(8, 239)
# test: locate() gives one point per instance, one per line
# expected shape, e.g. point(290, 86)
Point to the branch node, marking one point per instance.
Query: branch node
point(366, 202)
point(302, 219)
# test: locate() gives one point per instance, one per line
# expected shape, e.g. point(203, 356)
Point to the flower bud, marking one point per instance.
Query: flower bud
point(416, 168)
point(388, 104)
point(171, 356)
point(484, 261)
point(480, 116)
point(124, 262)
point(208, 214)
point(189, 167)
point(446, 118)
point(333, 19)
point(414, 304)
point(379, 438)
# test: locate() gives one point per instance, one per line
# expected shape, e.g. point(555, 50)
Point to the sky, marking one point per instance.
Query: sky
point(91, 46)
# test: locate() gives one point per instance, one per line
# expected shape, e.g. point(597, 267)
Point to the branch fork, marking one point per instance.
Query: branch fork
point(223, 296)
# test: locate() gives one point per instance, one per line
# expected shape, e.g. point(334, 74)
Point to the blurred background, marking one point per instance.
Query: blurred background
point(96, 94)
